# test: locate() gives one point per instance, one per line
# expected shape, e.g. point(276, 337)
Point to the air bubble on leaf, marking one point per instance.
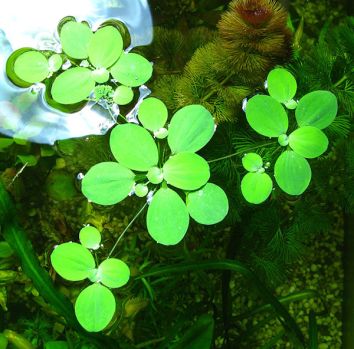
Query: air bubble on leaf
point(85, 63)
point(80, 176)
point(115, 109)
point(244, 104)
point(149, 196)
point(36, 88)
point(66, 65)
point(161, 133)
point(266, 84)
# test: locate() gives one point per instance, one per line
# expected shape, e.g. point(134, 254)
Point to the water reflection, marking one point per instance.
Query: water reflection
point(24, 113)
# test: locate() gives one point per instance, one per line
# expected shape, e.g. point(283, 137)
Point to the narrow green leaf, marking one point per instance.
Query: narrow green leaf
point(5, 142)
point(5, 250)
point(167, 217)
point(308, 141)
point(292, 173)
point(32, 67)
point(266, 116)
point(186, 171)
point(208, 205)
point(191, 128)
point(252, 162)
point(95, 307)
point(132, 70)
point(75, 39)
point(107, 183)
point(113, 273)
point(198, 336)
point(72, 261)
point(90, 237)
point(105, 47)
point(317, 108)
point(133, 147)
point(152, 114)
point(281, 85)
point(123, 95)
point(256, 187)
point(73, 86)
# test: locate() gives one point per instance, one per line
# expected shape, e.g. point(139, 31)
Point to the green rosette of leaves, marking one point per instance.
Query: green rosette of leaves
point(268, 117)
point(95, 60)
point(96, 305)
point(163, 162)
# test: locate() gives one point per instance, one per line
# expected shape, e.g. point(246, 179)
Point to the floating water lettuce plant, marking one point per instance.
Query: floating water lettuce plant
point(267, 116)
point(90, 60)
point(161, 170)
point(95, 306)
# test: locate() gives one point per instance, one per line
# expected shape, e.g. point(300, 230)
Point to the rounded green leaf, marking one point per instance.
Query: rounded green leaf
point(167, 217)
point(72, 261)
point(141, 190)
point(32, 67)
point(266, 116)
point(155, 175)
point(152, 113)
point(73, 86)
point(132, 70)
point(308, 141)
point(191, 128)
point(100, 75)
point(186, 171)
point(90, 237)
point(75, 39)
point(95, 307)
point(105, 47)
point(281, 85)
point(318, 109)
point(113, 273)
point(292, 173)
point(55, 62)
point(208, 205)
point(123, 95)
point(133, 147)
point(252, 162)
point(107, 183)
point(256, 187)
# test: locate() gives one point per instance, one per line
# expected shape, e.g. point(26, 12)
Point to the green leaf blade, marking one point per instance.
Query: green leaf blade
point(308, 141)
point(73, 86)
point(132, 70)
point(105, 47)
point(113, 273)
point(75, 39)
point(95, 307)
point(167, 217)
point(191, 128)
point(72, 261)
point(266, 116)
point(256, 187)
point(209, 205)
point(107, 183)
point(252, 162)
point(32, 67)
point(282, 85)
point(187, 171)
point(90, 237)
point(133, 147)
point(292, 173)
point(152, 114)
point(317, 108)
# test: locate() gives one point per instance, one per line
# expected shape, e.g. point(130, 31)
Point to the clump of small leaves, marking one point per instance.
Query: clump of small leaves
point(268, 117)
point(89, 64)
point(96, 305)
point(161, 163)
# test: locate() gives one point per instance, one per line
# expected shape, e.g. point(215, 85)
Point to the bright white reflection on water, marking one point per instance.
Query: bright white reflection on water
point(24, 112)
